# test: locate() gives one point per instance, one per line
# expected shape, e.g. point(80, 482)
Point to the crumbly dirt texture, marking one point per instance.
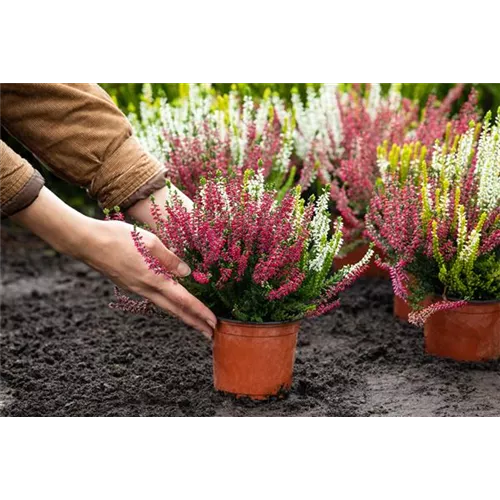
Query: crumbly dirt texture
point(65, 353)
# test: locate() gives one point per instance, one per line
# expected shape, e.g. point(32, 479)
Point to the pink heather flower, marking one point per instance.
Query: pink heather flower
point(126, 304)
point(381, 264)
point(114, 214)
point(323, 309)
point(352, 273)
point(292, 285)
point(152, 262)
point(202, 278)
point(418, 318)
point(490, 242)
point(468, 113)
point(399, 280)
point(225, 275)
point(393, 222)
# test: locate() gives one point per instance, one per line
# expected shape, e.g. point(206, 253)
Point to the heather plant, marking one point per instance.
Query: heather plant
point(339, 128)
point(440, 222)
point(336, 138)
point(203, 134)
point(254, 257)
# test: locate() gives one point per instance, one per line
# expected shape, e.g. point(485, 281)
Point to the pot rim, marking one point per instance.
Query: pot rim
point(256, 324)
point(471, 302)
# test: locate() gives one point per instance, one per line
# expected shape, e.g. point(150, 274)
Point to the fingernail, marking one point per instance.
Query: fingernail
point(211, 323)
point(207, 334)
point(183, 269)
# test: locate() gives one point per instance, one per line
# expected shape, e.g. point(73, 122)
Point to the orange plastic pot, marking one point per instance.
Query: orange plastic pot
point(254, 359)
point(401, 308)
point(470, 333)
point(356, 255)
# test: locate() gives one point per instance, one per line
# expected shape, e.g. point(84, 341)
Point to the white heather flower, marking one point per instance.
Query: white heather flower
point(319, 119)
point(464, 153)
point(337, 240)
point(374, 100)
point(331, 108)
point(261, 116)
point(469, 251)
point(219, 120)
point(255, 185)
point(221, 186)
point(354, 269)
point(279, 107)
point(320, 223)
point(382, 166)
point(320, 226)
point(285, 153)
point(322, 251)
point(395, 96)
point(242, 128)
point(344, 98)
point(461, 229)
point(450, 166)
point(488, 165)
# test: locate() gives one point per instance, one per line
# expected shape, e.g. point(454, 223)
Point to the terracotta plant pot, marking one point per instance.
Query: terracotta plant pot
point(254, 359)
point(356, 255)
point(470, 333)
point(401, 308)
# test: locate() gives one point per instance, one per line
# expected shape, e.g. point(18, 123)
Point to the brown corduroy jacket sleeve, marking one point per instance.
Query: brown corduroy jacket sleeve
point(76, 131)
point(20, 183)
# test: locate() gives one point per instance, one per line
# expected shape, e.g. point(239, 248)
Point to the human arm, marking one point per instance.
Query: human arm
point(107, 246)
point(77, 131)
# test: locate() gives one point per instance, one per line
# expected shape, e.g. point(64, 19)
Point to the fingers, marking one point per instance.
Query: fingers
point(169, 260)
point(187, 308)
point(172, 296)
point(188, 303)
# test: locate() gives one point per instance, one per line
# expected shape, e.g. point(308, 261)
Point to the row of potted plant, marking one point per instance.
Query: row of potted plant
point(262, 257)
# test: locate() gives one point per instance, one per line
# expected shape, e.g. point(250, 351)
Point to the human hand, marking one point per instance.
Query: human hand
point(109, 248)
point(141, 211)
point(112, 252)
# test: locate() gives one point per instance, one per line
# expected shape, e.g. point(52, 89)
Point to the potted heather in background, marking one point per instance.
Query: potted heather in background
point(439, 229)
point(203, 134)
point(338, 130)
point(330, 139)
point(262, 265)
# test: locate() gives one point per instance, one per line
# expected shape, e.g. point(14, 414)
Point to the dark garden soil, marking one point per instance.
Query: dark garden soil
point(64, 353)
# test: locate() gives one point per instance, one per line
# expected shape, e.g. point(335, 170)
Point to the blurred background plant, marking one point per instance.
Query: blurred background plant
point(128, 96)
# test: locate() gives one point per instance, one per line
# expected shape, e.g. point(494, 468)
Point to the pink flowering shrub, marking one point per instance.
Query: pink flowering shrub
point(440, 223)
point(204, 135)
point(255, 258)
point(338, 132)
